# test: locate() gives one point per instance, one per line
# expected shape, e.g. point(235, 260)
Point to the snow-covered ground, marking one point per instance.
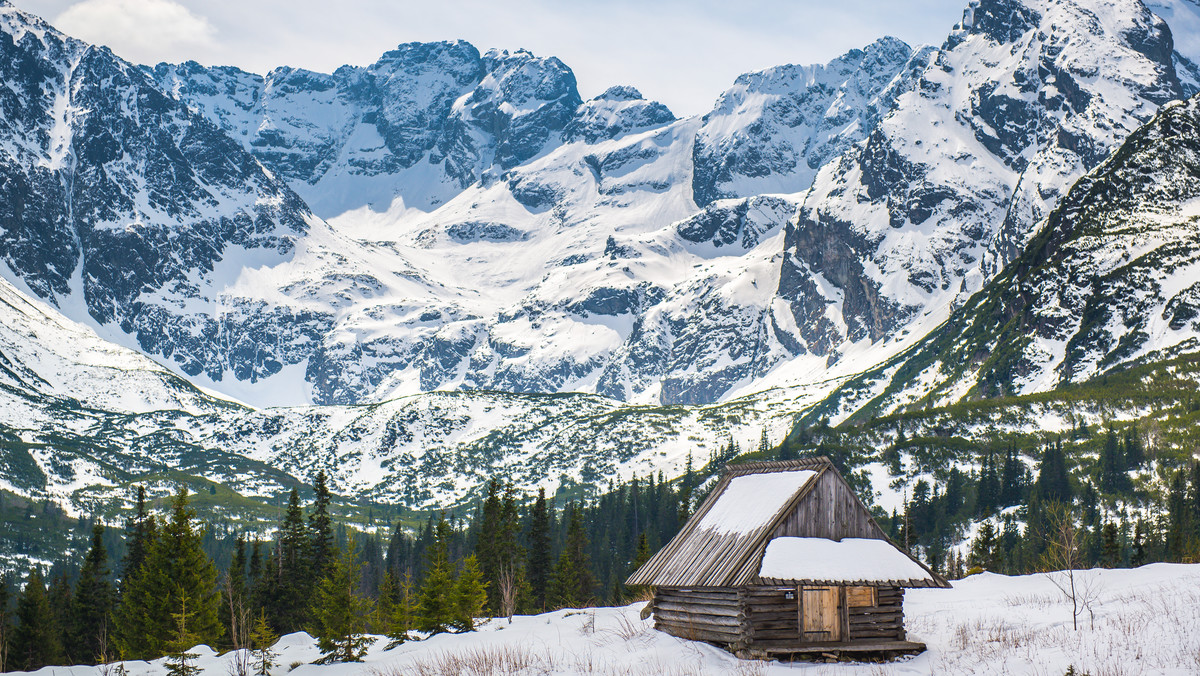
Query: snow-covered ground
point(1146, 621)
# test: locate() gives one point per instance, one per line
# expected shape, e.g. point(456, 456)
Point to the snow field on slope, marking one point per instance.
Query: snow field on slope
point(1146, 621)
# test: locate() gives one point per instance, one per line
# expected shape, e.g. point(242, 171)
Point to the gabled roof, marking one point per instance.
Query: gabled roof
point(722, 545)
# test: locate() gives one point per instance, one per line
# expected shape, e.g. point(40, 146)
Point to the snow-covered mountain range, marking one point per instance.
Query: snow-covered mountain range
point(447, 264)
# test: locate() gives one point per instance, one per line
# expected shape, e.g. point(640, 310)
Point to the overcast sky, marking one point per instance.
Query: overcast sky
point(680, 52)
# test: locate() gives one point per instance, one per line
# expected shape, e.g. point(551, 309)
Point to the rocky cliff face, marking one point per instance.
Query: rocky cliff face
point(1020, 101)
point(487, 229)
point(1110, 281)
point(121, 202)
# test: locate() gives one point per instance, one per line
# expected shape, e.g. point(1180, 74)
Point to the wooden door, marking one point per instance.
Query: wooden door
point(820, 614)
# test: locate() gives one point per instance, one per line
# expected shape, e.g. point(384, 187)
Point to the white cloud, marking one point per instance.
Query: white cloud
point(141, 31)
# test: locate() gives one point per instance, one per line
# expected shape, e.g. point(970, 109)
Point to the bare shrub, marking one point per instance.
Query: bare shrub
point(1063, 560)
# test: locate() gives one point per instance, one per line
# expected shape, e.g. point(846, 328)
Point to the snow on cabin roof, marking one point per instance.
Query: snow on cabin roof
point(723, 544)
point(851, 560)
point(753, 500)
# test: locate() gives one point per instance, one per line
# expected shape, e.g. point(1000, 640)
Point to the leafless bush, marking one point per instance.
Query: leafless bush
point(239, 629)
point(1062, 562)
point(509, 585)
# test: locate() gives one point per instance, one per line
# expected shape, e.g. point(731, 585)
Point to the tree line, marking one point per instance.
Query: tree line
point(172, 589)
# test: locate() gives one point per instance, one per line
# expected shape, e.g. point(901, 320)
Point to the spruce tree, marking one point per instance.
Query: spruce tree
point(180, 661)
point(262, 646)
point(35, 641)
point(1138, 555)
point(764, 444)
point(572, 584)
point(1113, 477)
point(403, 613)
point(340, 614)
point(469, 597)
point(59, 594)
point(487, 548)
point(321, 527)
point(435, 611)
point(1053, 483)
point(140, 531)
point(289, 588)
point(93, 604)
point(175, 567)
point(1110, 548)
point(1135, 453)
point(538, 556)
point(983, 547)
point(5, 624)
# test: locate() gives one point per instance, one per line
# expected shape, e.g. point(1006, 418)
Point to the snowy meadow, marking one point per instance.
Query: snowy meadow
point(1135, 621)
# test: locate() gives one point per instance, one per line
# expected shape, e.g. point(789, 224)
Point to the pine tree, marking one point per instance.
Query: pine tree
point(538, 555)
point(1110, 549)
point(175, 566)
point(572, 583)
point(321, 528)
point(487, 548)
point(1113, 478)
point(262, 642)
point(640, 557)
point(1135, 453)
point(1138, 556)
point(435, 612)
point(469, 597)
point(403, 614)
point(764, 444)
point(59, 594)
point(339, 614)
point(179, 659)
point(140, 532)
point(1053, 482)
point(290, 588)
point(5, 625)
point(983, 547)
point(35, 641)
point(93, 605)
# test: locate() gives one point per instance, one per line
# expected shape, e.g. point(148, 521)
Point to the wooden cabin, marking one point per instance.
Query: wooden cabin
point(783, 558)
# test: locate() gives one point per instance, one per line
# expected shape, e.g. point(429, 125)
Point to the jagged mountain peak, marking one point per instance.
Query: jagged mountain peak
point(1109, 281)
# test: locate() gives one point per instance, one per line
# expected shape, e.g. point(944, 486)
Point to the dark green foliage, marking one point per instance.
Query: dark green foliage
point(435, 610)
point(262, 643)
point(1113, 477)
point(321, 528)
point(1053, 481)
point(36, 640)
point(287, 585)
point(470, 596)
point(176, 568)
point(571, 586)
point(340, 614)
point(538, 559)
point(180, 661)
point(498, 551)
point(91, 621)
point(59, 594)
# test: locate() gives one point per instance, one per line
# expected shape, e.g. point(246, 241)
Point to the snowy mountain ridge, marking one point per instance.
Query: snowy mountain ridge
point(496, 269)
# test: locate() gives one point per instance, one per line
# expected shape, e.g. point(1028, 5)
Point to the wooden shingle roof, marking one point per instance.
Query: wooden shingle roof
point(722, 545)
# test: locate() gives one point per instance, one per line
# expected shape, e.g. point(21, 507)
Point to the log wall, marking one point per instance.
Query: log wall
point(884, 621)
point(716, 615)
point(740, 618)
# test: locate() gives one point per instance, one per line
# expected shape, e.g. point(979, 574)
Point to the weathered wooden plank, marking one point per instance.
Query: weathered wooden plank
point(699, 633)
point(820, 614)
point(709, 608)
point(699, 620)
